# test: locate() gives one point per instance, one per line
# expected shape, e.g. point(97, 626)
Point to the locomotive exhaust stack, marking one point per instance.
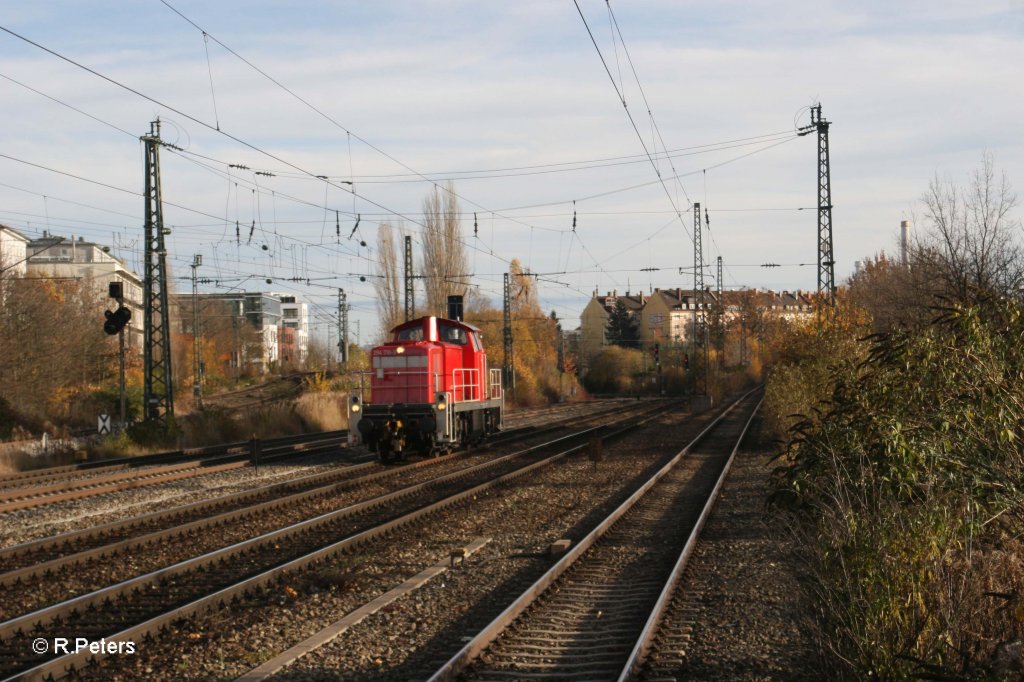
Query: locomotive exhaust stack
point(455, 308)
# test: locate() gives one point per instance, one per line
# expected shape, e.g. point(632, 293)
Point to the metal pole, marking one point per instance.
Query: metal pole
point(507, 371)
point(197, 346)
point(698, 289)
point(343, 326)
point(124, 412)
point(720, 318)
point(410, 295)
point(743, 339)
point(826, 258)
point(238, 346)
point(158, 390)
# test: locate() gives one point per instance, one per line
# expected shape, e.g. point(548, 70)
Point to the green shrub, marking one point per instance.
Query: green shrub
point(904, 484)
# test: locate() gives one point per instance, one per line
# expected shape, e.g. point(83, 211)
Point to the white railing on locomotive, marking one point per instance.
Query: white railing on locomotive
point(495, 388)
point(466, 378)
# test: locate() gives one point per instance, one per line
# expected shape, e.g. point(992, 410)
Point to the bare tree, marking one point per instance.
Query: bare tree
point(388, 284)
point(523, 291)
point(971, 244)
point(894, 295)
point(445, 265)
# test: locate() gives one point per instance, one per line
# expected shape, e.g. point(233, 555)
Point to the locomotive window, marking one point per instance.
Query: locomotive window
point(411, 334)
point(476, 341)
point(450, 334)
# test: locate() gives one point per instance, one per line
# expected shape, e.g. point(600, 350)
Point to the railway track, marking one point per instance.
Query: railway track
point(58, 568)
point(228, 452)
point(46, 556)
point(77, 484)
point(593, 614)
point(213, 453)
point(142, 605)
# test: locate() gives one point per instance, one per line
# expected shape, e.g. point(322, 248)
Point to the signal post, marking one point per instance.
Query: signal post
point(115, 324)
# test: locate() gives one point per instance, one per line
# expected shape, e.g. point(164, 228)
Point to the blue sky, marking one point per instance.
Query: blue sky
point(468, 90)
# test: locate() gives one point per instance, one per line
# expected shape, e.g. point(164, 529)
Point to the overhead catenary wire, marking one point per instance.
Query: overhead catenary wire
point(190, 117)
point(625, 107)
point(258, 219)
point(188, 153)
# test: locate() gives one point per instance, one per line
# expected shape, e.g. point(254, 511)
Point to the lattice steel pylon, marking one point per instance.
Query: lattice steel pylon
point(698, 272)
point(506, 370)
point(342, 327)
point(699, 323)
point(158, 389)
point(719, 314)
point(826, 258)
point(410, 293)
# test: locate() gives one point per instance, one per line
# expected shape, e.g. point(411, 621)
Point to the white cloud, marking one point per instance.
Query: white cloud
point(912, 90)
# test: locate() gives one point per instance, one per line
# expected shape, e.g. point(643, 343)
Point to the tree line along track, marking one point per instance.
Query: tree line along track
point(592, 616)
point(145, 604)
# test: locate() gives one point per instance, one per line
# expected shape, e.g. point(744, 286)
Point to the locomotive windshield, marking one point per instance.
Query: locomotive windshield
point(449, 333)
point(410, 334)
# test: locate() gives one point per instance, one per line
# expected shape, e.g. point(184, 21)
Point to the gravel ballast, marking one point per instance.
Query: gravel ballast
point(739, 604)
point(416, 632)
point(741, 583)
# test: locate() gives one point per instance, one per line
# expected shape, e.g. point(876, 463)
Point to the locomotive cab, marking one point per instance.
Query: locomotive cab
point(430, 390)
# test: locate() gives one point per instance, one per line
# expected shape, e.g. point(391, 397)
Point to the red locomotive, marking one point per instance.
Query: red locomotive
point(431, 390)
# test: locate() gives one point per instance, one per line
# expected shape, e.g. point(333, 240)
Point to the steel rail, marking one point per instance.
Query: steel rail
point(646, 638)
point(182, 528)
point(42, 616)
point(178, 473)
point(25, 498)
point(208, 453)
point(213, 452)
point(57, 667)
point(489, 633)
point(77, 546)
point(72, 539)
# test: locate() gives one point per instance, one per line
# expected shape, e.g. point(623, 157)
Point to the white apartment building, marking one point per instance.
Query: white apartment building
point(56, 256)
point(295, 317)
point(13, 246)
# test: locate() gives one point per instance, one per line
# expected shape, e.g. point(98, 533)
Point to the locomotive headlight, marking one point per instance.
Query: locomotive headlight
point(442, 402)
point(400, 350)
point(355, 407)
point(355, 404)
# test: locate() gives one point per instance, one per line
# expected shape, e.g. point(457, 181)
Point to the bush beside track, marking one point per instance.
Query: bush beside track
point(902, 484)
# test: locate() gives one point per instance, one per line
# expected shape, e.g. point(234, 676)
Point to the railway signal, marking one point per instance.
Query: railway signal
point(116, 320)
point(115, 290)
